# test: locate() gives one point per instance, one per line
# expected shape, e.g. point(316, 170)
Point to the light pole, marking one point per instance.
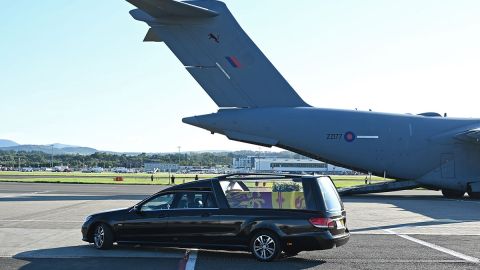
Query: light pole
point(179, 155)
point(51, 158)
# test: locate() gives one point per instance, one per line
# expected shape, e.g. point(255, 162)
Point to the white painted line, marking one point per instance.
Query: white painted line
point(39, 220)
point(368, 137)
point(24, 194)
point(192, 260)
point(439, 248)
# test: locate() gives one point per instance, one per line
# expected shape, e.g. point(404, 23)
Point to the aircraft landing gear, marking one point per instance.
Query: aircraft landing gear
point(474, 195)
point(452, 194)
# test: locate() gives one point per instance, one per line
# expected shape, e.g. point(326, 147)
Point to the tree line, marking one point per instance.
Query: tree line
point(14, 159)
point(106, 160)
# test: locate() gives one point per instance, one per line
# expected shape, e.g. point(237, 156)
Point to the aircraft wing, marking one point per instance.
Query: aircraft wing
point(471, 135)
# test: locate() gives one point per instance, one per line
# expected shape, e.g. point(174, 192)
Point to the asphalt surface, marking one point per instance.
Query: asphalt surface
point(40, 229)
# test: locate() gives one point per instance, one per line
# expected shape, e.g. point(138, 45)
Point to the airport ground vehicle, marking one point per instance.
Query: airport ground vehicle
point(265, 214)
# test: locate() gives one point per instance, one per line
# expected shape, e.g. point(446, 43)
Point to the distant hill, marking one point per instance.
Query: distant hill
point(60, 145)
point(57, 149)
point(7, 143)
point(65, 149)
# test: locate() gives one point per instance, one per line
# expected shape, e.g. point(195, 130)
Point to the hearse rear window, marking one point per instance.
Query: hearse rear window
point(329, 194)
point(266, 194)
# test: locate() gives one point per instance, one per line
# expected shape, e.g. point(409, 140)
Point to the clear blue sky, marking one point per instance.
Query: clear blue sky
point(77, 72)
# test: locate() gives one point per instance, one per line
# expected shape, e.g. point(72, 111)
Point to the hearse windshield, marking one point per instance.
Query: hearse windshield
point(329, 194)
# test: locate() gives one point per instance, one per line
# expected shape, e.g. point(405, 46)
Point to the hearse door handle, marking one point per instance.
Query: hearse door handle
point(206, 214)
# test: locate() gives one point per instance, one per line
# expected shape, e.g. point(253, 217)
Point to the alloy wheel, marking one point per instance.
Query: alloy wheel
point(99, 236)
point(264, 247)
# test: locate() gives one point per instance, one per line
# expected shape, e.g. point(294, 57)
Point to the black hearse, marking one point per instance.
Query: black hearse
point(261, 213)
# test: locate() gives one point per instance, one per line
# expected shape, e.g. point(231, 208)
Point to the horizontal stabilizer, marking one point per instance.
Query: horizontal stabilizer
point(471, 135)
point(378, 188)
point(164, 8)
point(152, 36)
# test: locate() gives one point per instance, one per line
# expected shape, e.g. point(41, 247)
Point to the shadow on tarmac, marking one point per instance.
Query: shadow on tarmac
point(143, 257)
point(92, 264)
point(87, 257)
point(443, 211)
point(118, 251)
point(242, 260)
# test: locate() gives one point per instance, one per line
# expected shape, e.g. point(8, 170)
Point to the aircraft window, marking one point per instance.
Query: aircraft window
point(160, 202)
point(195, 200)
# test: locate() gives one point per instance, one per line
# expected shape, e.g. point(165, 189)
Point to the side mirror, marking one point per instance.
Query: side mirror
point(136, 209)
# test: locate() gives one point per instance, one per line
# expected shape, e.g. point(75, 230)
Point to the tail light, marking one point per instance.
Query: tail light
point(323, 223)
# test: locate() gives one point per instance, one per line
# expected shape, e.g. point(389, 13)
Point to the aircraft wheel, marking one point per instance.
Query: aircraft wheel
point(452, 194)
point(474, 195)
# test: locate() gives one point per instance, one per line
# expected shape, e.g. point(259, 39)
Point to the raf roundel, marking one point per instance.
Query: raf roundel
point(350, 136)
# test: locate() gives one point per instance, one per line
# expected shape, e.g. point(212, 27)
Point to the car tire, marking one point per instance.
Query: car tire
point(103, 237)
point(452, 194)
point(265, 246)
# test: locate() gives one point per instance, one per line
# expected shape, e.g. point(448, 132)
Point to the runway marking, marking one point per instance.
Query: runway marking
point(36, 220)
point(25, 194)
point(438, 248)
point(374, 232)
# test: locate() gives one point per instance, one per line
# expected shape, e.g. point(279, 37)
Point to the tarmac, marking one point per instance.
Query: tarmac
point(418, 229)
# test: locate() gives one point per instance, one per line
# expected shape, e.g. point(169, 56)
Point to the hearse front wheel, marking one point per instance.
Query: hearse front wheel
point(265, 246)
point(103, 236)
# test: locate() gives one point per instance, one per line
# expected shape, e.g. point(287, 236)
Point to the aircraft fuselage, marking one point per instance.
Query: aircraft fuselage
point(406, 147)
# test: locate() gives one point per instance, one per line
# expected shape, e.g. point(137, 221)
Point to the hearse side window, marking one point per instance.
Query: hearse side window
point(160, 202)
point(195, 200)
point(233, 186)
point(265, 194)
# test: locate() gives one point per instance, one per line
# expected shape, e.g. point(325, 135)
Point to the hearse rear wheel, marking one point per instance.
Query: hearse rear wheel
point(265, 246)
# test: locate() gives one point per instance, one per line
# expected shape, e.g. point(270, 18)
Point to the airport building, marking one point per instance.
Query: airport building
point(273, 164)
point(297, 166)
point(244, 163)
point(160, 167)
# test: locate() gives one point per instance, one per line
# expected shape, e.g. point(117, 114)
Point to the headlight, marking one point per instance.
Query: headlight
point(88, 218)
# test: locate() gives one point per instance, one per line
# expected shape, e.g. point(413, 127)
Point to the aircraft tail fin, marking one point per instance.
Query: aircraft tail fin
point(212, 46)
point(163, 8)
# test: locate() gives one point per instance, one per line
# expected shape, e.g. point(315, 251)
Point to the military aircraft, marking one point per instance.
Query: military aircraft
point(258, 106)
